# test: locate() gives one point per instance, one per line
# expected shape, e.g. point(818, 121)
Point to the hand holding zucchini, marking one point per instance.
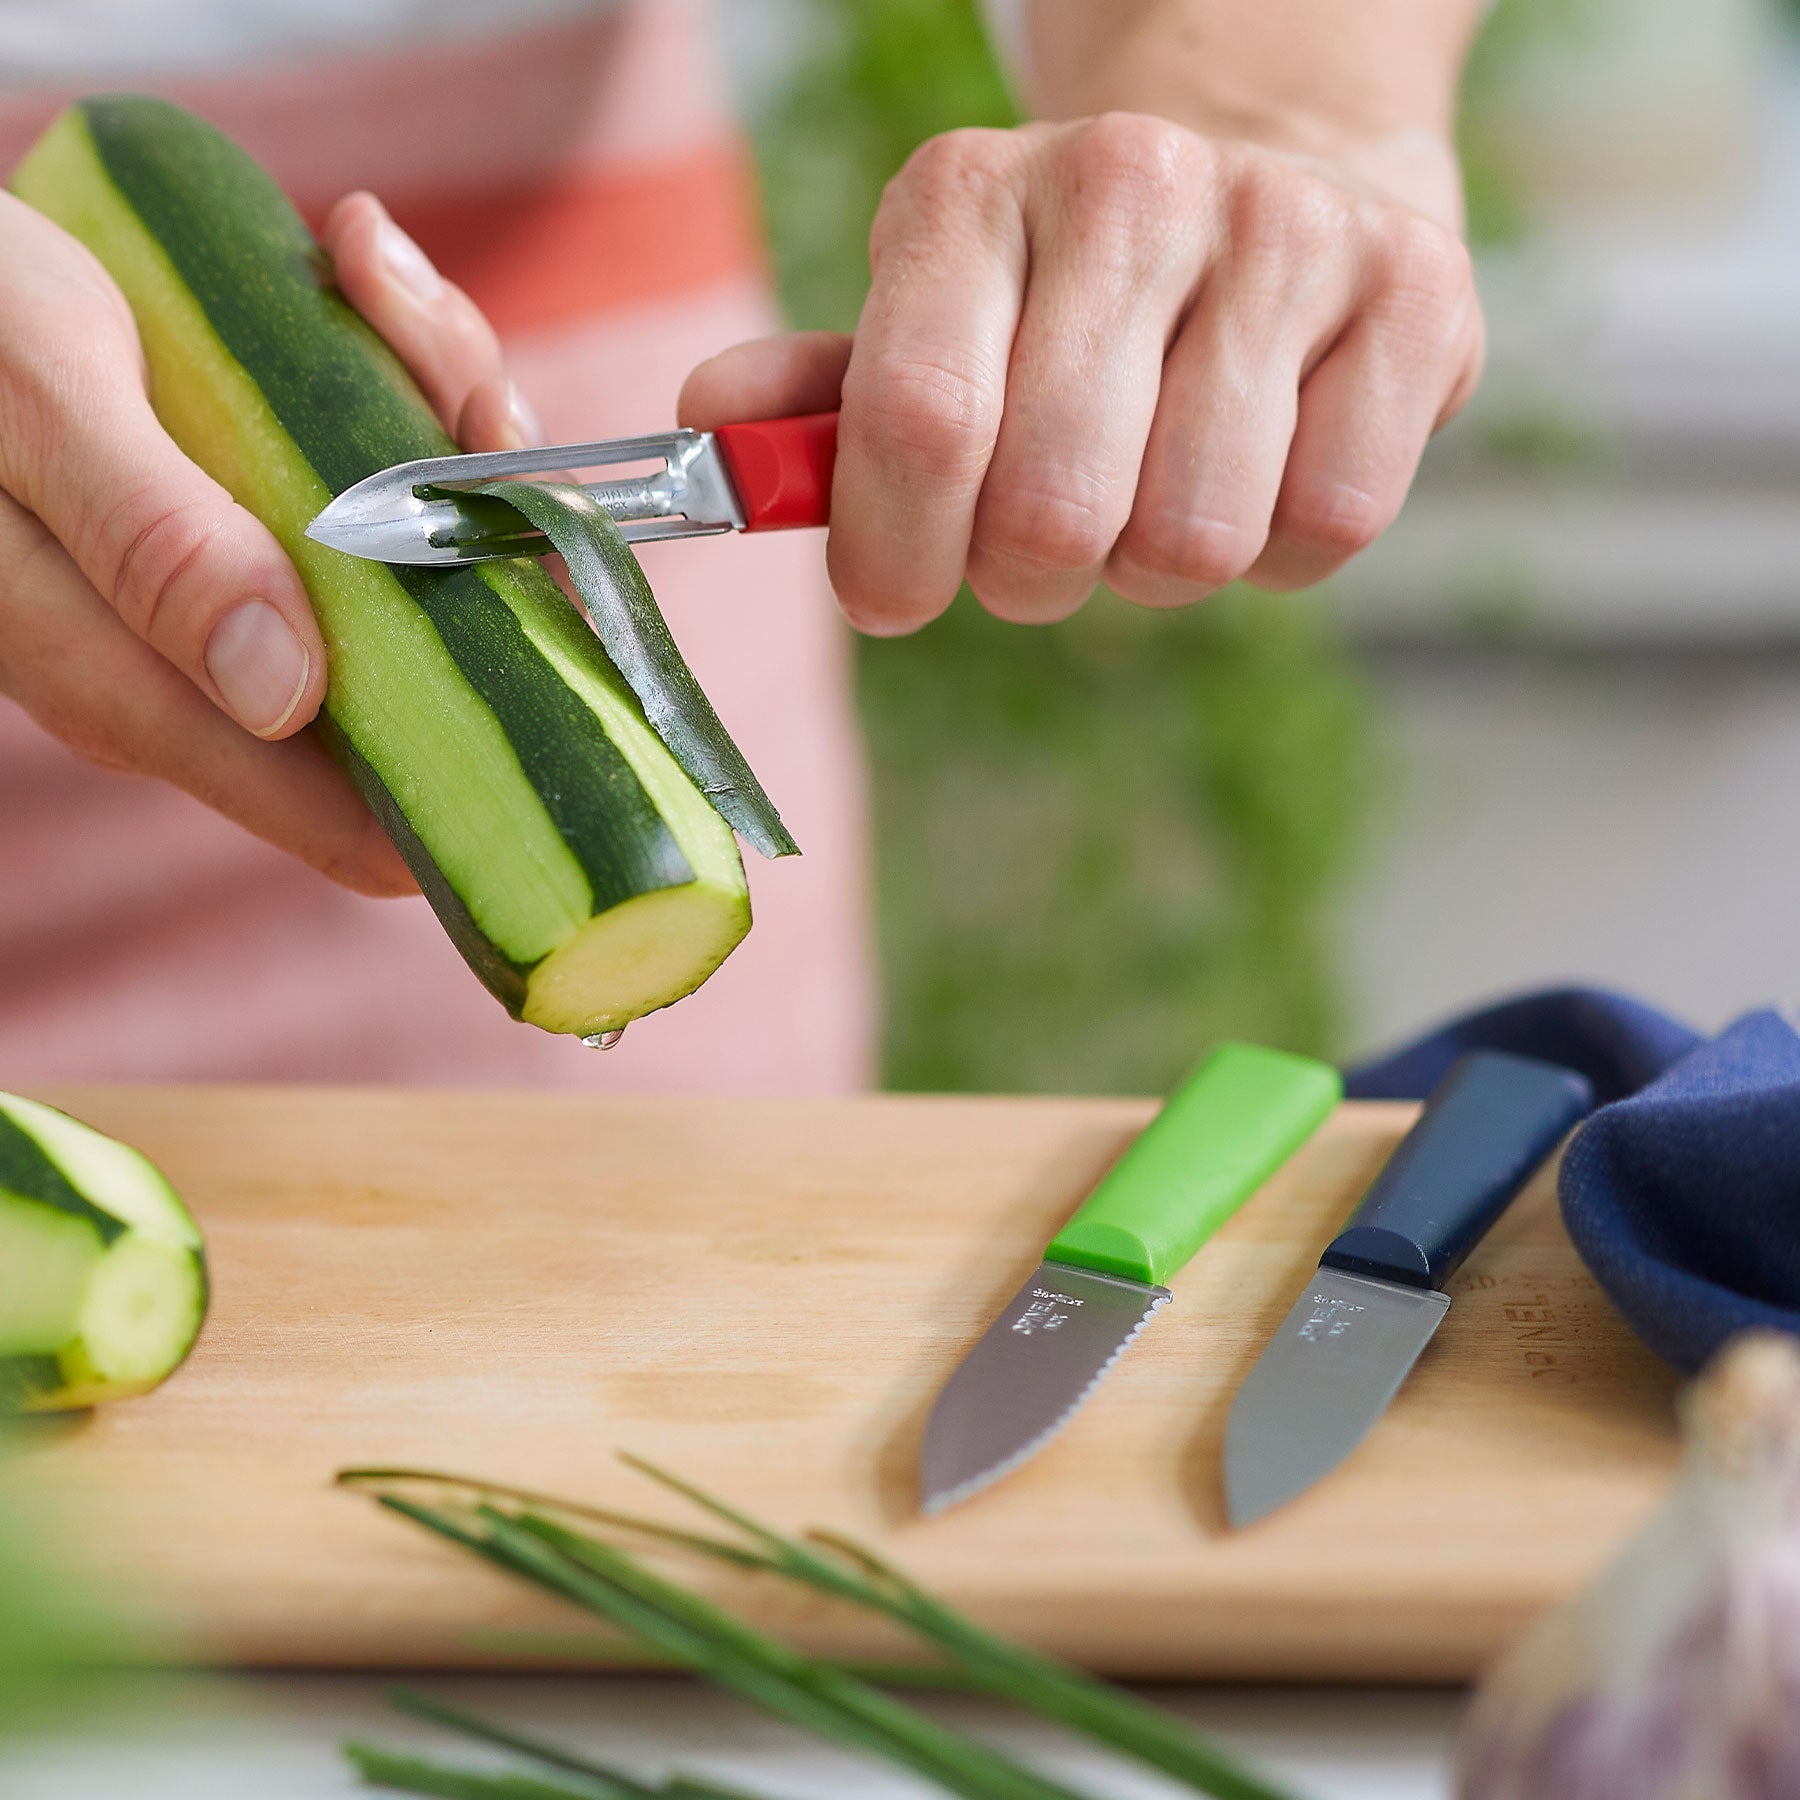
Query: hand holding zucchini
point(582, 873)
point(102, 1272)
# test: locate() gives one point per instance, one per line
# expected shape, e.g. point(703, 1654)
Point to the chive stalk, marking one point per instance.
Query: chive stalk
point(536, 1536)
point(1042, 1683)
point(417, 1775)
point(594, 1781)
point(438, 1712)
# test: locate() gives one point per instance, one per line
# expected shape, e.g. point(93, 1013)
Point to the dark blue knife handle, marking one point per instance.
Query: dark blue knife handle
point(1486, 1128)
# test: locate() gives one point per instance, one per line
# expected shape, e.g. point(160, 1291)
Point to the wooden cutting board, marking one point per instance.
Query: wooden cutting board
point(765, 1296)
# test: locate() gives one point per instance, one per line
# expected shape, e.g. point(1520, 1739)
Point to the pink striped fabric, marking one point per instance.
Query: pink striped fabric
point(586, 183)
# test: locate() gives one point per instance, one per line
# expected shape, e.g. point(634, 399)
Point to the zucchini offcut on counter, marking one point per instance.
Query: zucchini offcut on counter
point(102, 1270)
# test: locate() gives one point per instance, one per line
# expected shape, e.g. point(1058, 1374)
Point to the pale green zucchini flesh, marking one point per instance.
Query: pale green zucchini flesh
point(584, 877)
point(102, 1271)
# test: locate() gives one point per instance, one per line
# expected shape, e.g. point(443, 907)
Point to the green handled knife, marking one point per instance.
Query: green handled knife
point(1219, 1136)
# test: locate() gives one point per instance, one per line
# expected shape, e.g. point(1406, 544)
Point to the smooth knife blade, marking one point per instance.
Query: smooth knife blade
point(1028, 1375)
point(1348, 1342)
point(1322, 1381)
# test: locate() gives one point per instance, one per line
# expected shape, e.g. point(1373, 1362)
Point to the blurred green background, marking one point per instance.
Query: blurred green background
point(1104, 843)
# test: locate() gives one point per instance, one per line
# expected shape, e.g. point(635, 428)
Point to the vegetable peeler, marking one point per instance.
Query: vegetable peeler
point(768, 475)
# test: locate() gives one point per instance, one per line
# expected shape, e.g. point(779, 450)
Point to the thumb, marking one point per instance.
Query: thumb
point(769, 378)
point(195, 575)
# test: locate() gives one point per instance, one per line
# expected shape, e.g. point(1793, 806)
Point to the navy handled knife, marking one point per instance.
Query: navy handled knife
point(1351, 1338)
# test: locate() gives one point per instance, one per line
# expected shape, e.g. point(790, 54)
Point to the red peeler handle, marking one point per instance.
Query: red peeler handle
point(781, 469)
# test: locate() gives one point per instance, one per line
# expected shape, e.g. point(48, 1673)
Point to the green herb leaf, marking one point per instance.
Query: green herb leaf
point(1050, 1688)
point(630, 626)
point(705, 1638)
point(731, 1651)
point(602, 1782)
point(415, 1775)
point(382, 1481)
point(684, 1787)
point(540, 1540)
point(439, 1712)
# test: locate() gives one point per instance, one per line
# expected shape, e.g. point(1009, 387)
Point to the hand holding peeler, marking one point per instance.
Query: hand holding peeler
point(767, 475)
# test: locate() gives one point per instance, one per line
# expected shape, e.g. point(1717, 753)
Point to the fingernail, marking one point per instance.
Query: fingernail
point(258, 665)
point(522, 421)
point(407, 263)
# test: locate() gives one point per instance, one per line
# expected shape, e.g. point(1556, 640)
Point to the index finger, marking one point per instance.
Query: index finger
point(926, 383)
point(442, 336)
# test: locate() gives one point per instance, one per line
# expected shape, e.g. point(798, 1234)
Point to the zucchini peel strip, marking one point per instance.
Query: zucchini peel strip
point(616, 597)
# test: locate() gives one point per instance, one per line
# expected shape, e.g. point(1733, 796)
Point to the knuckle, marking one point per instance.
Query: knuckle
point(466, 329)
point(1275, 209)
point(1051, 528)
point(1192, 550)
point(930, 414)
point(94, 733)
point(154, 549)
point(39, 389)
point(969, 155)
point(97, 747)
point(1426, 274)
point(966, 173)
point(1334, 521)
point(1129, 164)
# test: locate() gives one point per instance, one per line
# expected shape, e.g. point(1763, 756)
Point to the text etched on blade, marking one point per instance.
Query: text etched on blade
point(1043, 1312)
point(1330, 1318)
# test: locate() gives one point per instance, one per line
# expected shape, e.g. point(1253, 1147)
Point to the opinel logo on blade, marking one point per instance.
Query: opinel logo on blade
point(1333, 1315)
point(1042, 1314)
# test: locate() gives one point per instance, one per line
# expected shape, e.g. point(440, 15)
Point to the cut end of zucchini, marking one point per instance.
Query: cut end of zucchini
point(102, 1275)
point(143, 1298)
point(644, 954)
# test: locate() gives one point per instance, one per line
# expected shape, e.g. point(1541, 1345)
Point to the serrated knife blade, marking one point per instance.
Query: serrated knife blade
point(1218, 1137)
point(1327, 1375)
point(1023, 1381)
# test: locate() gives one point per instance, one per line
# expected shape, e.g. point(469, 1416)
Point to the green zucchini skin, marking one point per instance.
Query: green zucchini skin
point(102, 1270)
point(582, 875)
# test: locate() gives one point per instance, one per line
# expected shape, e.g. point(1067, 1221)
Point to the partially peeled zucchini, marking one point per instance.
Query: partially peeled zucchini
point(102, 1272)
point(584, 876)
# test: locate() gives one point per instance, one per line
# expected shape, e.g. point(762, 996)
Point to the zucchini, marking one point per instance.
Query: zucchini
point(583, 876)
point(102, 1271)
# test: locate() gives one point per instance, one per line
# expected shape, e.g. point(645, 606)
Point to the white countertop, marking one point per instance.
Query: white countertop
point(276, 1738)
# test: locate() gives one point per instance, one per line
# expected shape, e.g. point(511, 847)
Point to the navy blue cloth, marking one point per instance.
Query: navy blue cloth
point(1681, 1190)
point(1618, 1044)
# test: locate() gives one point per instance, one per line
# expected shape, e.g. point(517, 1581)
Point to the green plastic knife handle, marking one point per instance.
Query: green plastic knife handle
point(1241, 1114)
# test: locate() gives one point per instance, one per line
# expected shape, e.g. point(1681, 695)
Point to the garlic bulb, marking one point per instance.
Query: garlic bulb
point(1677, 1676)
